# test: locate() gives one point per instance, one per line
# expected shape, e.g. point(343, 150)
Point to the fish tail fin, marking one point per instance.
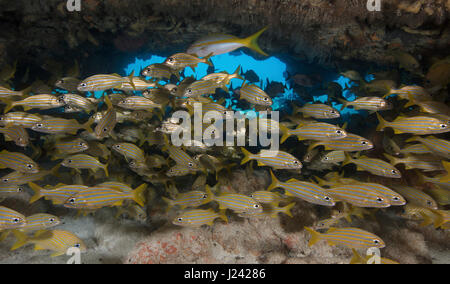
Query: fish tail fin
point(315, 236)
point(105, 168)
point(275, 182)
point(9, 105)
point(248, 156)
point(88, 124)
point(287, 209)
point(108, 102)
point(223, 216)
point(355, 258)
point(37, 192)
point(320, 181)
point(343, 102)
point(54, 170)
point(446, 178)
point(413, 139)
point(209, 192)
point(138, 194)
point(22, 239)
point(237, 73)
point(252, 42)
point(131, 77)
point(348, 159)
point(383, 123)
point(411, 101)
point(286, 133)
point(207, 59)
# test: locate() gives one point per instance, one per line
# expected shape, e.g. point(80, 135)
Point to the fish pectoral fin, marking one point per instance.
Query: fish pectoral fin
point(38, 247)
point(261, 164)
point(118, 203)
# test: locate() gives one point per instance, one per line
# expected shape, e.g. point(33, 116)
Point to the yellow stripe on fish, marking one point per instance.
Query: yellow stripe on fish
point(77, 101)
point(57, 195)
point(307, 191)
point(98, 197)
point(17, 134)
point(10, 219)
point(193, 198)
point(197, 217)
point(350, 143)
point(103, 82)
point(56, 240)
point(350, 237)
point(270, 211)
point(18, 162)
point(374, 166)
point(361, 195)
point(367, 103)
point(22, 119)
point(254, 95)
point(439, 146)
point(427, 163)
point(180, 61)
point(42, 102)
point(275, 159)
point(420, 125)
point(416, 196)
point(314, 131)
point(236, 202)
point(129, 151)
point(319, 111)
point(138, 103)
point(107, 122)
point(61, 125)
point(82, 161)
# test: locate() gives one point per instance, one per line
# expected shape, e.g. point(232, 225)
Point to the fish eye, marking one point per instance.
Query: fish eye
point(19, 189)
point(69, 161)
point(376, 242)
point(72, 200)
point(327, 198)
point(443, 125)
point(117, 146)
point(16, 220)
point(396, 198)
point(77, 246)
point(256, 206)
point(105, 129)
point(170, 59)
point(180, 219)
point(39, 125)
point(364, 142)
point(30, 166)
point(83, 85)
point(5, 180)
point(190, 165)
point(326, 158)
point(379, 199)
point(429, 203)
point(189, 91)
point(338, 132)
point(52, 220)
point(266, 99)
point(394, 172)
point(205, 196)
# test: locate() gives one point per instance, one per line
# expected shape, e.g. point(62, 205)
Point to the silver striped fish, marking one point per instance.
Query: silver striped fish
point(237, 202)
point(179, 171)
point(416, 196)
point(19, 178)
point(103, 82)
point(77, 101)
point(430, 107)
point(420, 125)
point(223, 79)
point(415, 149)
point(350, 143)
point(270, 211)
point(107, 122)
point(18, 162)
point(72, 146)
point(268, 197)
point(197, 217)
point(159, 71)
point(367, 103)
point(350, 237)
point(17, 134)
point(307, 191)
point(180, 61)
point(41, 221)
point(130, 151)
point(10, 189)
point(333, 157)
point(439, 146)
point(416, 93)
point(193, 198)
point(6, 93)
point(138, 85)
point(427, 163)
point(182, 158)
point(10, 219)
point(42, 102)
point(319, 111)
point(314, 131)
point(23, 119)
point(361, 195)
point(98, 197)
point(374, 166)
point(275, 159)
point(57, 195)
point(254, 95)
point(56, 125)
point(138, 103)
point(82, 161)
point(201, 87)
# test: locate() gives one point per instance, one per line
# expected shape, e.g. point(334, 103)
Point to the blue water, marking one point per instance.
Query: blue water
point(270, 69)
